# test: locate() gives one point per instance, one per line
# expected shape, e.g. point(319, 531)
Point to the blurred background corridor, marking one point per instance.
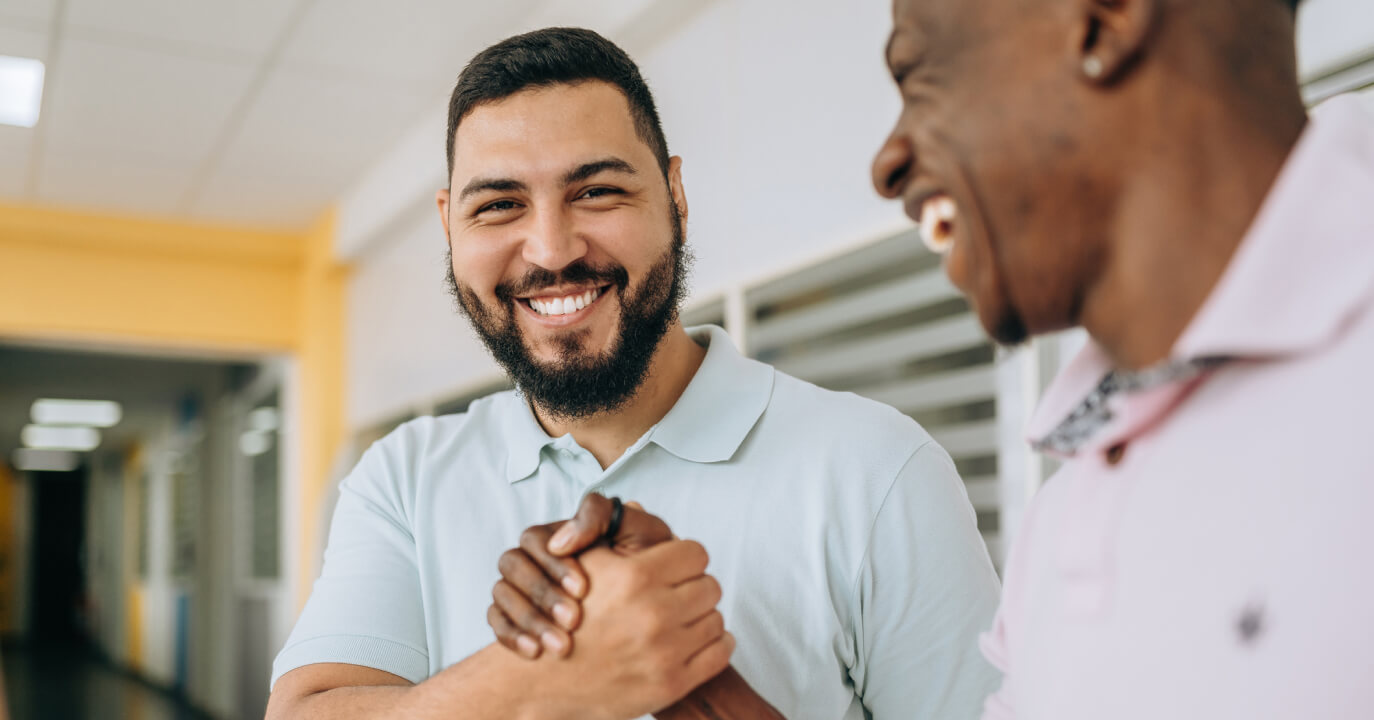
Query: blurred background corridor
point(221, 278)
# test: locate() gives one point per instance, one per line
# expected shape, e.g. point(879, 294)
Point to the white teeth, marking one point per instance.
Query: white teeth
point(938, 217)
point(564, 305)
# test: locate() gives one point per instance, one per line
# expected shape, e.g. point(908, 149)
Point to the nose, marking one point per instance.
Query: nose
point(553, 243)
point(892, 166)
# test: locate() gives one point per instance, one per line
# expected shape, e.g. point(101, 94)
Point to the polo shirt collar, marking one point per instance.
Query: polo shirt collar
point(1302, 271)
point(708, 423)
point(722, 403)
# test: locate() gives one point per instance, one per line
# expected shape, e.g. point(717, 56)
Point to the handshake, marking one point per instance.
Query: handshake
point(613, 591)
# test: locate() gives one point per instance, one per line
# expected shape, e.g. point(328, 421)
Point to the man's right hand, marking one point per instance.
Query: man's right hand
point(651, 631)
point(537, 603)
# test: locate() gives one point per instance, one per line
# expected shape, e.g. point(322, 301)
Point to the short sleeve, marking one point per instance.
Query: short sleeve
point(926, 590)
point(366, 608)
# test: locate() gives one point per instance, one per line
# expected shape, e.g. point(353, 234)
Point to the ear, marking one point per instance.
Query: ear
point(675, 189)
point(1113, 34)
point(442, 198)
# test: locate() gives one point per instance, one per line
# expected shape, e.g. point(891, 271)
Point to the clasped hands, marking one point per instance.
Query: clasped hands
point(635, 619)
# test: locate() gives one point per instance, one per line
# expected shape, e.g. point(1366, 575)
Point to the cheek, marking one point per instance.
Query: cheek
point(481, 262)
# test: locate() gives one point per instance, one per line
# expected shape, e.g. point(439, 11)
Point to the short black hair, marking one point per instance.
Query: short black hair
point(554, 56)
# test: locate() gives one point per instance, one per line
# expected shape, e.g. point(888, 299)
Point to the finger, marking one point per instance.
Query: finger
point(529, 619)
point(711, 660)
point(704, 630)
point(635, 505)
point(696, 597)
point(567, 572)
point(525, 575)
point(640, 530)
point(510, 636)
point(586, 527)
point(675, 561)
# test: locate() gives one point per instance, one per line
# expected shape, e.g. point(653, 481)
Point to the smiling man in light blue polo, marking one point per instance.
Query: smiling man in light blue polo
point(844, 556)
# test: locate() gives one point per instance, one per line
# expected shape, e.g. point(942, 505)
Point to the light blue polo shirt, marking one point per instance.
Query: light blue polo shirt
point(853, 573)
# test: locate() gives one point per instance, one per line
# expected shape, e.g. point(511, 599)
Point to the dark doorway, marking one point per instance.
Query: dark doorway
point(58, 588)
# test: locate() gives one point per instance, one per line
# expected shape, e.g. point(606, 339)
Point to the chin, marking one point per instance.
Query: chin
point(1006, 328)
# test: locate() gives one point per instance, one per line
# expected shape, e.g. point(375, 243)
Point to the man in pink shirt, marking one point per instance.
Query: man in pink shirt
point(1146, 169)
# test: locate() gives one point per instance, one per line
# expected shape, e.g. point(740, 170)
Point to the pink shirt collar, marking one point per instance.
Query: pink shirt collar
point(1302, 271)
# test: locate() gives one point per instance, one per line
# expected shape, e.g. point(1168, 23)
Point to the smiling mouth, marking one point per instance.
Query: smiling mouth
point(939, 217)
point(553, 306)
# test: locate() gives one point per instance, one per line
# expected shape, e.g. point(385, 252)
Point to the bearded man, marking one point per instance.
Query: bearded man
point(844, 553)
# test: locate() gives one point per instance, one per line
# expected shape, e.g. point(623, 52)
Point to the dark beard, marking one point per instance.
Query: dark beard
point(580, 385)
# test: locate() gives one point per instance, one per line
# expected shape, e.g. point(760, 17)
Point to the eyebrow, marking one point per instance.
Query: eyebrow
point(595, 167)
point(477, 185)
point(575, 175)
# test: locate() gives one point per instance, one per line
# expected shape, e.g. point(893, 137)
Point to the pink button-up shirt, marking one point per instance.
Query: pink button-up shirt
point(1208, 552)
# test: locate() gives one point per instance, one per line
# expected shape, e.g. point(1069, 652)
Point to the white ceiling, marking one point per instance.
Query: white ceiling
point(248, 112)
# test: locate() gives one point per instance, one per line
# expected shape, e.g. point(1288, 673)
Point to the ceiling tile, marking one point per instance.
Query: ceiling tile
point(241, 26)
point(28, 12)
point(18, 42)
point(420, 41)
point(319, 127)
point(15, 146)
point(104, 96)
point(263, 201)
point(111, 180)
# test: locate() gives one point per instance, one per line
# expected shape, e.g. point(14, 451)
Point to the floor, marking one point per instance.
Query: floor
point(71, 685)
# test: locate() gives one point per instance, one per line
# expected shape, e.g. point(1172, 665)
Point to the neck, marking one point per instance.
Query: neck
point(1188, 202)
point(607, 435)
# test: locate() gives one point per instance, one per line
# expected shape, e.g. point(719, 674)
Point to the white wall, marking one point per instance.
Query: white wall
point(775, 146)
point(776, 107)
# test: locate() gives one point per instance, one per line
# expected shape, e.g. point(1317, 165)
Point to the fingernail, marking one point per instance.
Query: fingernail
point(573, 584)
point(561, 538)
point(528, 647)
point(563, 613)
point(553, 642)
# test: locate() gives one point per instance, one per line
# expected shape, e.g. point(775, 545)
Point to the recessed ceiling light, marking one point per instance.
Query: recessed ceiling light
point(93, 413)
point(21, 90)
point(56, 437)
point(45, 460)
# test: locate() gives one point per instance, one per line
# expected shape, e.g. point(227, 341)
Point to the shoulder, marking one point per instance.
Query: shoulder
point(843, 422)
point(401, 460)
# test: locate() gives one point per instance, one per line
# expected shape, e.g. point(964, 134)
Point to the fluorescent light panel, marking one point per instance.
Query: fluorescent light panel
point(91, 413)
point(45, 460)
point(21, 90)
point(57, 437)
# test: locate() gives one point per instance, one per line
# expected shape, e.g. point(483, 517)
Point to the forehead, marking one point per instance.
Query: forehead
point(919, 24)
point(545, 129)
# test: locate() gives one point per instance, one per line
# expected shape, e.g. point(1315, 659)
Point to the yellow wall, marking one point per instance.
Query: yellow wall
point(70, 276)
point(142, 283)
point(322, 382)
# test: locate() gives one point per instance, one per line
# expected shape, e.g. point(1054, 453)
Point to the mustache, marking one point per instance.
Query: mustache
point(578, 273)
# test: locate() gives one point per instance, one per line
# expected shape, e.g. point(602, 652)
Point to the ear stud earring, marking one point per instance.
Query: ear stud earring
point(1092, 67)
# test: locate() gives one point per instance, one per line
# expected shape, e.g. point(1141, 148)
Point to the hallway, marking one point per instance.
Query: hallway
point(70, 685)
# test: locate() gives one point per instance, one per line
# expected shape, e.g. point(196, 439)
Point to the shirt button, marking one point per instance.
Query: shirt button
point(1115, 453)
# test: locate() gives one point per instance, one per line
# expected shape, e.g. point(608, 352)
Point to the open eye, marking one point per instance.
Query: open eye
point(497, 206)
point(599, 191)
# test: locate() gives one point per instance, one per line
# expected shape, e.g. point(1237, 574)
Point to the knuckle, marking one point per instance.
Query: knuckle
point(532, 536)
point(696, 552)
point(713, 590)
point(509, 561)
point(715, 624)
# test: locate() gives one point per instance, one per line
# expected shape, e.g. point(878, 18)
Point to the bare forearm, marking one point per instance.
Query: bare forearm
point(727, 696)
point(490, 684)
